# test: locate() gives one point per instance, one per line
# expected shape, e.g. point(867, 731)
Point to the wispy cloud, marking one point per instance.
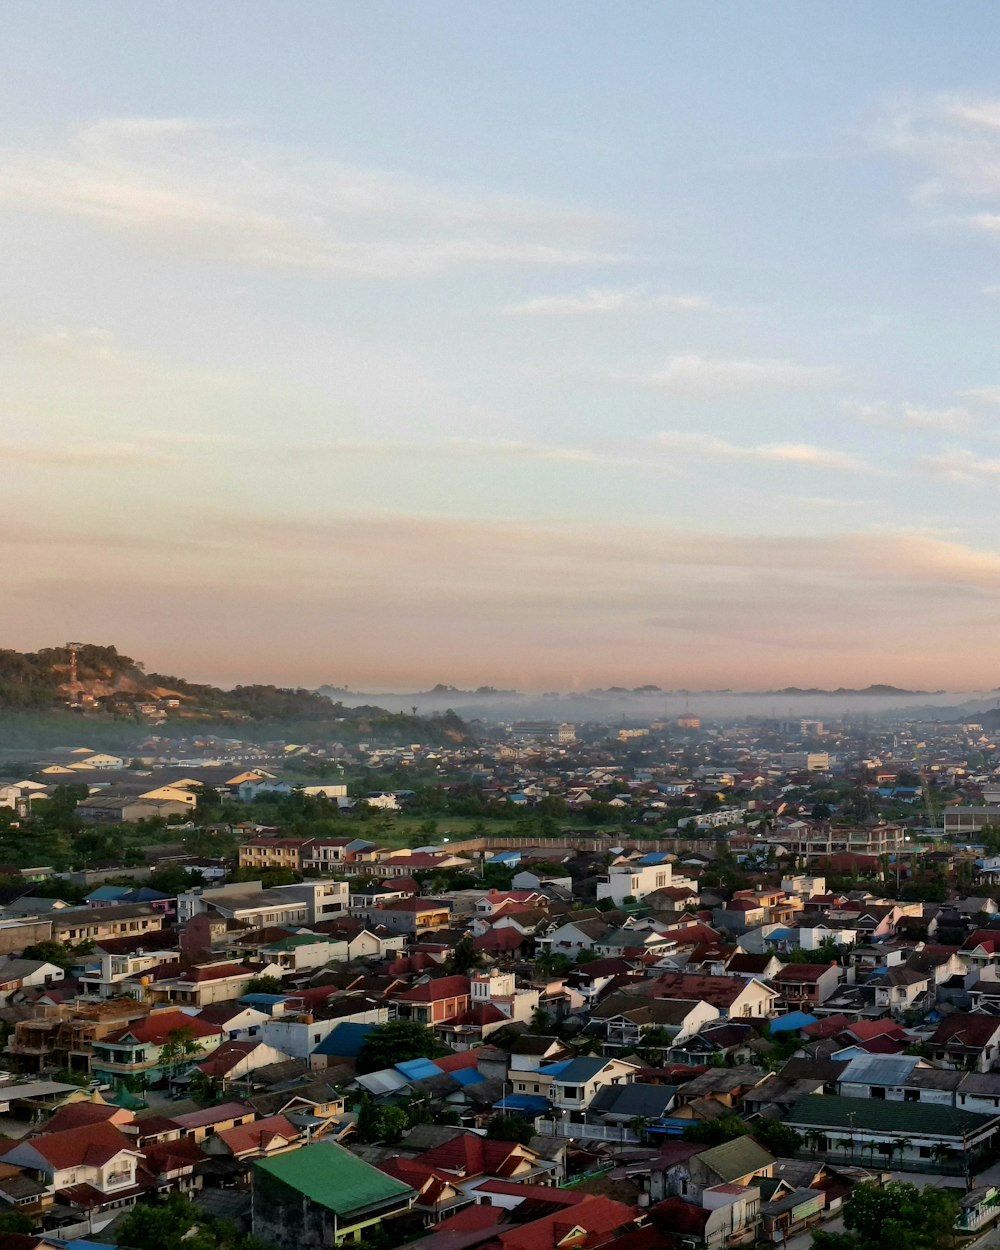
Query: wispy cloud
point(541, 602)
point(697, 376)
point(607, 300)
point(954, 141)
point(76, 455)
point(917, 416)
point(985, 394)
point(963, 465)
point(803, 455)
point(621, 455)
point(174, 183)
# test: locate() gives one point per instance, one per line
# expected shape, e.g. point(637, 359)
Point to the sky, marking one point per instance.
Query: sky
point(540, 345)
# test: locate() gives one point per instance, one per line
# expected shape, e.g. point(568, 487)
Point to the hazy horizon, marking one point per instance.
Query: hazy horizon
point(547, 347)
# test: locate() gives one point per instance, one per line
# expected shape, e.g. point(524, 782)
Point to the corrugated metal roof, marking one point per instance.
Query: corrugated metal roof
point(418, 1069)
point(879, 1069)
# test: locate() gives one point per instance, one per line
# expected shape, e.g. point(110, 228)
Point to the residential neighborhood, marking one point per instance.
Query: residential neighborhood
point(611, 1017)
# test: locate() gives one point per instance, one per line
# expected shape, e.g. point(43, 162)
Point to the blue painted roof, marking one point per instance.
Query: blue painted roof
point(418, 1069)
point(779, 935)
point(654, 857)
point(505, 857)
point(346, 1040)
point(534, 1103)
point(791, 1023)
point(77, 1244)
point(265, 1000)
point(107, 893)
point(577, 1071)
point(468, 1076)
point(553, 1069)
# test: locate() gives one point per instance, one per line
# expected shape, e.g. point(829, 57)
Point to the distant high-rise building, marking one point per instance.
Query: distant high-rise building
point(689, 721)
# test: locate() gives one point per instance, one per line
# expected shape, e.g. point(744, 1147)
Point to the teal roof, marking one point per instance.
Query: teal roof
point(334, 1178)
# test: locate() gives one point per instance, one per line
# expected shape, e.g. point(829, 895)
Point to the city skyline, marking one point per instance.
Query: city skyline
point(549, 348)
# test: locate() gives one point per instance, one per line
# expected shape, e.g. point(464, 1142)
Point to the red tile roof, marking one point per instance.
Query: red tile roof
point(157, 1028)
point(471, 1155)
point(260, 1135)
point(79, 1114)
point(93, 1145)
point(434, 991)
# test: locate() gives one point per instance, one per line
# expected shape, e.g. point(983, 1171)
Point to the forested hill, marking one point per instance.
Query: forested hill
point(112, 686)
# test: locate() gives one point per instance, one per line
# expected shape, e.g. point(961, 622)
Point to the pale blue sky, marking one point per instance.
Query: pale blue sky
point(519, 343)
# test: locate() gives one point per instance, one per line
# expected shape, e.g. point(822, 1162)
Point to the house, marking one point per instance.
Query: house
point(260, 1139)
point(200, 986)
point(625, 1020)
point(97, 1163)
point(806, 985)
point(153, 1048)
point(576, 1082)
point(967, 1040)
point(736, 1162)
point(412, 916)
point(573, 937)
point(634, 881)
point(434, 1002)
point(621, 1104)
point(23, 974)
point(474, 1159)
point(235, 1059)
point(200, 1125)
point(904, 989)
point(734, 998)
point(322, 1196)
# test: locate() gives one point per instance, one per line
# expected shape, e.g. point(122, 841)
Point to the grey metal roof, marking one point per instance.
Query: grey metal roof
point(883, 1070)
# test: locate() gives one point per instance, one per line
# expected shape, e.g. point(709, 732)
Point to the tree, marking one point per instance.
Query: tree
point(715, 1132)
point(540, 1019)
point(264, 985)
point(50, 952)
point(179, 1048)
point(781, 1140)
point(176, 1224)
point(510, 1128)
point(464, 958)
point(900, 1214)
point(381, 1124)
point(14, 1222)
point(395, 1042)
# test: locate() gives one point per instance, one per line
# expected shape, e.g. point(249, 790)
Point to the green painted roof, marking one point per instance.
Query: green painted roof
point(736, 1158)
point(334, 1178)
point(885, 1115)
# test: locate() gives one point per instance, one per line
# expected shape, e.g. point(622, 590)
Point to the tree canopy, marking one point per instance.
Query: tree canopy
point(895, 1214)
point(395, 1042)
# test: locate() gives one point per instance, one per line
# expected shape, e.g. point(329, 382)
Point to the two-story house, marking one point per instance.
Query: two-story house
point(804, 986)
point(575, 1082)
point(153, 1048)
point(97, 1159)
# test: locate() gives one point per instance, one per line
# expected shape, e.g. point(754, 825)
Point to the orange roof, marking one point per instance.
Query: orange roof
point(261, 1134)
